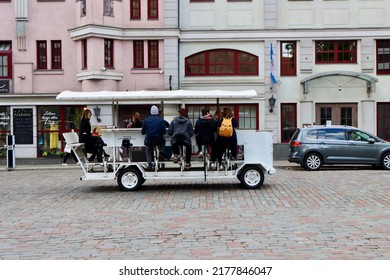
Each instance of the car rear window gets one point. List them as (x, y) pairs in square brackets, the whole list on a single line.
[(296, 133)]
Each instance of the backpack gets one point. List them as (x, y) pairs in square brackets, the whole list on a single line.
[(226, 129)]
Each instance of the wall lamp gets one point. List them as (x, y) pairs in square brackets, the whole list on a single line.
[(96, 111), (271, 101)]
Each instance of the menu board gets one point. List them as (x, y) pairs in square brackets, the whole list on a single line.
[(23, 125)]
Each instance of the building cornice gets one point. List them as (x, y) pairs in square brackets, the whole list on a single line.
[(282, 34), (110, 32)]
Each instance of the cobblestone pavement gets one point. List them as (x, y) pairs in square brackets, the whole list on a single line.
[(330, 214)]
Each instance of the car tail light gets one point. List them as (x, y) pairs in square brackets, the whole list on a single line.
[(295, 143)]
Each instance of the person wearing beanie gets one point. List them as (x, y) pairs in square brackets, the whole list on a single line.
[(154, 110), (181, 131), (154, 130)]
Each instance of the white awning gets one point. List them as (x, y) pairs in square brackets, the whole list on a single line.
[(154, 95)]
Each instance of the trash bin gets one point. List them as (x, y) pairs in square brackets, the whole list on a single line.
[(10, 152)]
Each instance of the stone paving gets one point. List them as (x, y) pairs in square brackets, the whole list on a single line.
[(336, 213)]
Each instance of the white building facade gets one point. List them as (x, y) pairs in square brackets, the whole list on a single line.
[(331, 60)]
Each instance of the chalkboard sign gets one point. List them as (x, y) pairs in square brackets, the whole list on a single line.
[(23, 126)]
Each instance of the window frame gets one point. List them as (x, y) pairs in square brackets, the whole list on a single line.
[(378, 57), (383, 120), (152, 9), (219, 65), (336, 52), (41, 55), (284, 70), (54, 54), (291, 117), (138, 54), (153, 54), (8, 55), (109, 53), (135, 13)]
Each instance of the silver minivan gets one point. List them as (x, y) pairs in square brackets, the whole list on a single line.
[(311, 147)]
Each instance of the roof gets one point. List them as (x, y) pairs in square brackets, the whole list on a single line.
[(153, 95)]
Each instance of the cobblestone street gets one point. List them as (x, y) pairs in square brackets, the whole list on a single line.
[(330, 214)]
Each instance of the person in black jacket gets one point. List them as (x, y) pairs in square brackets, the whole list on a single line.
[(205, 127), (85, 136)]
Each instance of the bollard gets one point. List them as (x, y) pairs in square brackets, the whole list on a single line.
[(10, 152)]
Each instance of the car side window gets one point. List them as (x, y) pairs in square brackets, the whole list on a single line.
[(357, 135), (335, 134), (354, 136), (315, 134)]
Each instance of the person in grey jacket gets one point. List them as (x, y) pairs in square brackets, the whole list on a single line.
[(181, 131)]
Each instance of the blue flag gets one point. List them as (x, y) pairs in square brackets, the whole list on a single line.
[(272, 68)]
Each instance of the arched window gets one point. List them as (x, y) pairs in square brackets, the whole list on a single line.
[(222, 62)]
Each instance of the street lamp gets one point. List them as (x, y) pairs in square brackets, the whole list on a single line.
[(96, 111), (271, 101)]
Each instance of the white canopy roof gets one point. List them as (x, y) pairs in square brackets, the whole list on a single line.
[(152, 95)]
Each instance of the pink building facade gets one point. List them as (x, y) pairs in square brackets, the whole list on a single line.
[(331, 60), (50, 46)]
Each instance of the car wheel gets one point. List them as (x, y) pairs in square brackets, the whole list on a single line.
[(385, 162), (251, 177), (313, 161), (130, 179)]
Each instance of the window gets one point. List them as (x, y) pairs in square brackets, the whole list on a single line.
[(56, 57), (383, 56), (108, 53), (152, 9), (153, 54), (52, 122), (84, 54), (135, 9), (41, 55), (383, 121), (325, 115), (108, 8), (346, 116), (138, 53), (288, 59), (221, 62), (245, 114), (336, 51), (288, 120), (5, 60)]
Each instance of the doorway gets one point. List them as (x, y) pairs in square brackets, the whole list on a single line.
[(337, 113)]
